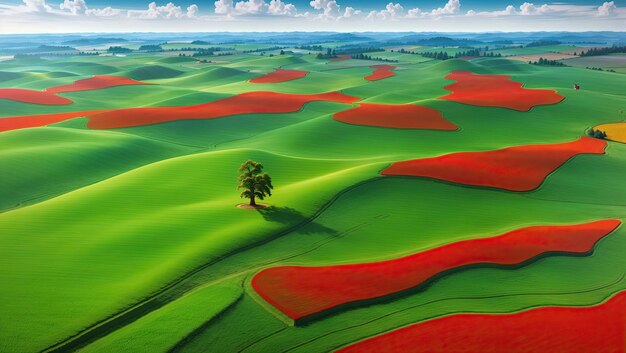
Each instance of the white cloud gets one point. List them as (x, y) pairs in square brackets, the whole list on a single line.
[(223, 6), (192, 10), (330, 8), (351, 12), (76, 7), (607, 9), (508, 11), (154, 11), (254, 7), (37, 6), (451, 8), (278, 7), (251, 7), (391, 11), (416, 12), (528, 8), (104, 12)]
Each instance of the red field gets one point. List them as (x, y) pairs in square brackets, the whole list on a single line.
[(49, 96), (520, 168), (342, 57), (245, 103), (280, 75), (380, 72), (496, 91), (299, 291), (32, 96), (23, 122), (399, 116), (96, 82), (594, 329)]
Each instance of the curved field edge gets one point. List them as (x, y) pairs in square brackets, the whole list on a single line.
[(198, 243), (517, 168), (307, 293), (165, 328), (594, 328)]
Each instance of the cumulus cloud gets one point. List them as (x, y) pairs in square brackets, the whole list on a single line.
[(528, 8), (254, 7), (76, 7), (37, 6), (416, 12), (223, 6), (391, 11), (278, 7), (452, 7), (508, 11), (351, 12), (192, 10), (251, 7), (104, 12), (154, 11), (330, 8), (607, 9)]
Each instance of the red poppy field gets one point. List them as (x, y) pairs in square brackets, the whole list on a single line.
[(599, 329), (247, 103), (280, 75), (519, 168), (381, 72), (496, 91), (32, 97), (400, 116), (299, 291), (94, 83)]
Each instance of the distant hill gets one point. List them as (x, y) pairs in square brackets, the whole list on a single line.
[(437, 41), (92, 41)]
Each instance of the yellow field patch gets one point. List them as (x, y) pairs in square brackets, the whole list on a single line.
[(614, 132)]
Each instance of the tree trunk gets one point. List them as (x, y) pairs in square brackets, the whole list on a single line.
[(252, 202)]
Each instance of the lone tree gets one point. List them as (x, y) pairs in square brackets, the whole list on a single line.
[(253, 182)]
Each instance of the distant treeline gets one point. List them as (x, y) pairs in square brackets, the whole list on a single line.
[(546, 62), (150, 47), (441, 55), (330, 54), (202, 49), (599, 69), (603, 51), (362, 56), (542, 43), (119, 50), (311, 47), (262, 49), (343, 50)]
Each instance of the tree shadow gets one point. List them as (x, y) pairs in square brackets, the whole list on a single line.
[(293, 217)]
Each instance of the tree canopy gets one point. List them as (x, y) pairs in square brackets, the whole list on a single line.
[(254, 182)]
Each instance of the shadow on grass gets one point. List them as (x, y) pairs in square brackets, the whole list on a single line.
[(288, 215)]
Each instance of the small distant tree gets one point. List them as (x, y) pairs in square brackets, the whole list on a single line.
[(599, 134), (253, 182)]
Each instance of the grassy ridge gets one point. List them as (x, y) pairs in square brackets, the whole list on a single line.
[(161, 221), (162, 329)]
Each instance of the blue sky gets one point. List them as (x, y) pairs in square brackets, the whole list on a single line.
[(46, 16)]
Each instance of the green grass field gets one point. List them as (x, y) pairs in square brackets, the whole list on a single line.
[(128, 240)]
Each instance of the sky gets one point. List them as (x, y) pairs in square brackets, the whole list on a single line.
[(74, 16)]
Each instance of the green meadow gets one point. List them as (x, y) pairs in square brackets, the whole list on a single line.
[(129, 240)]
